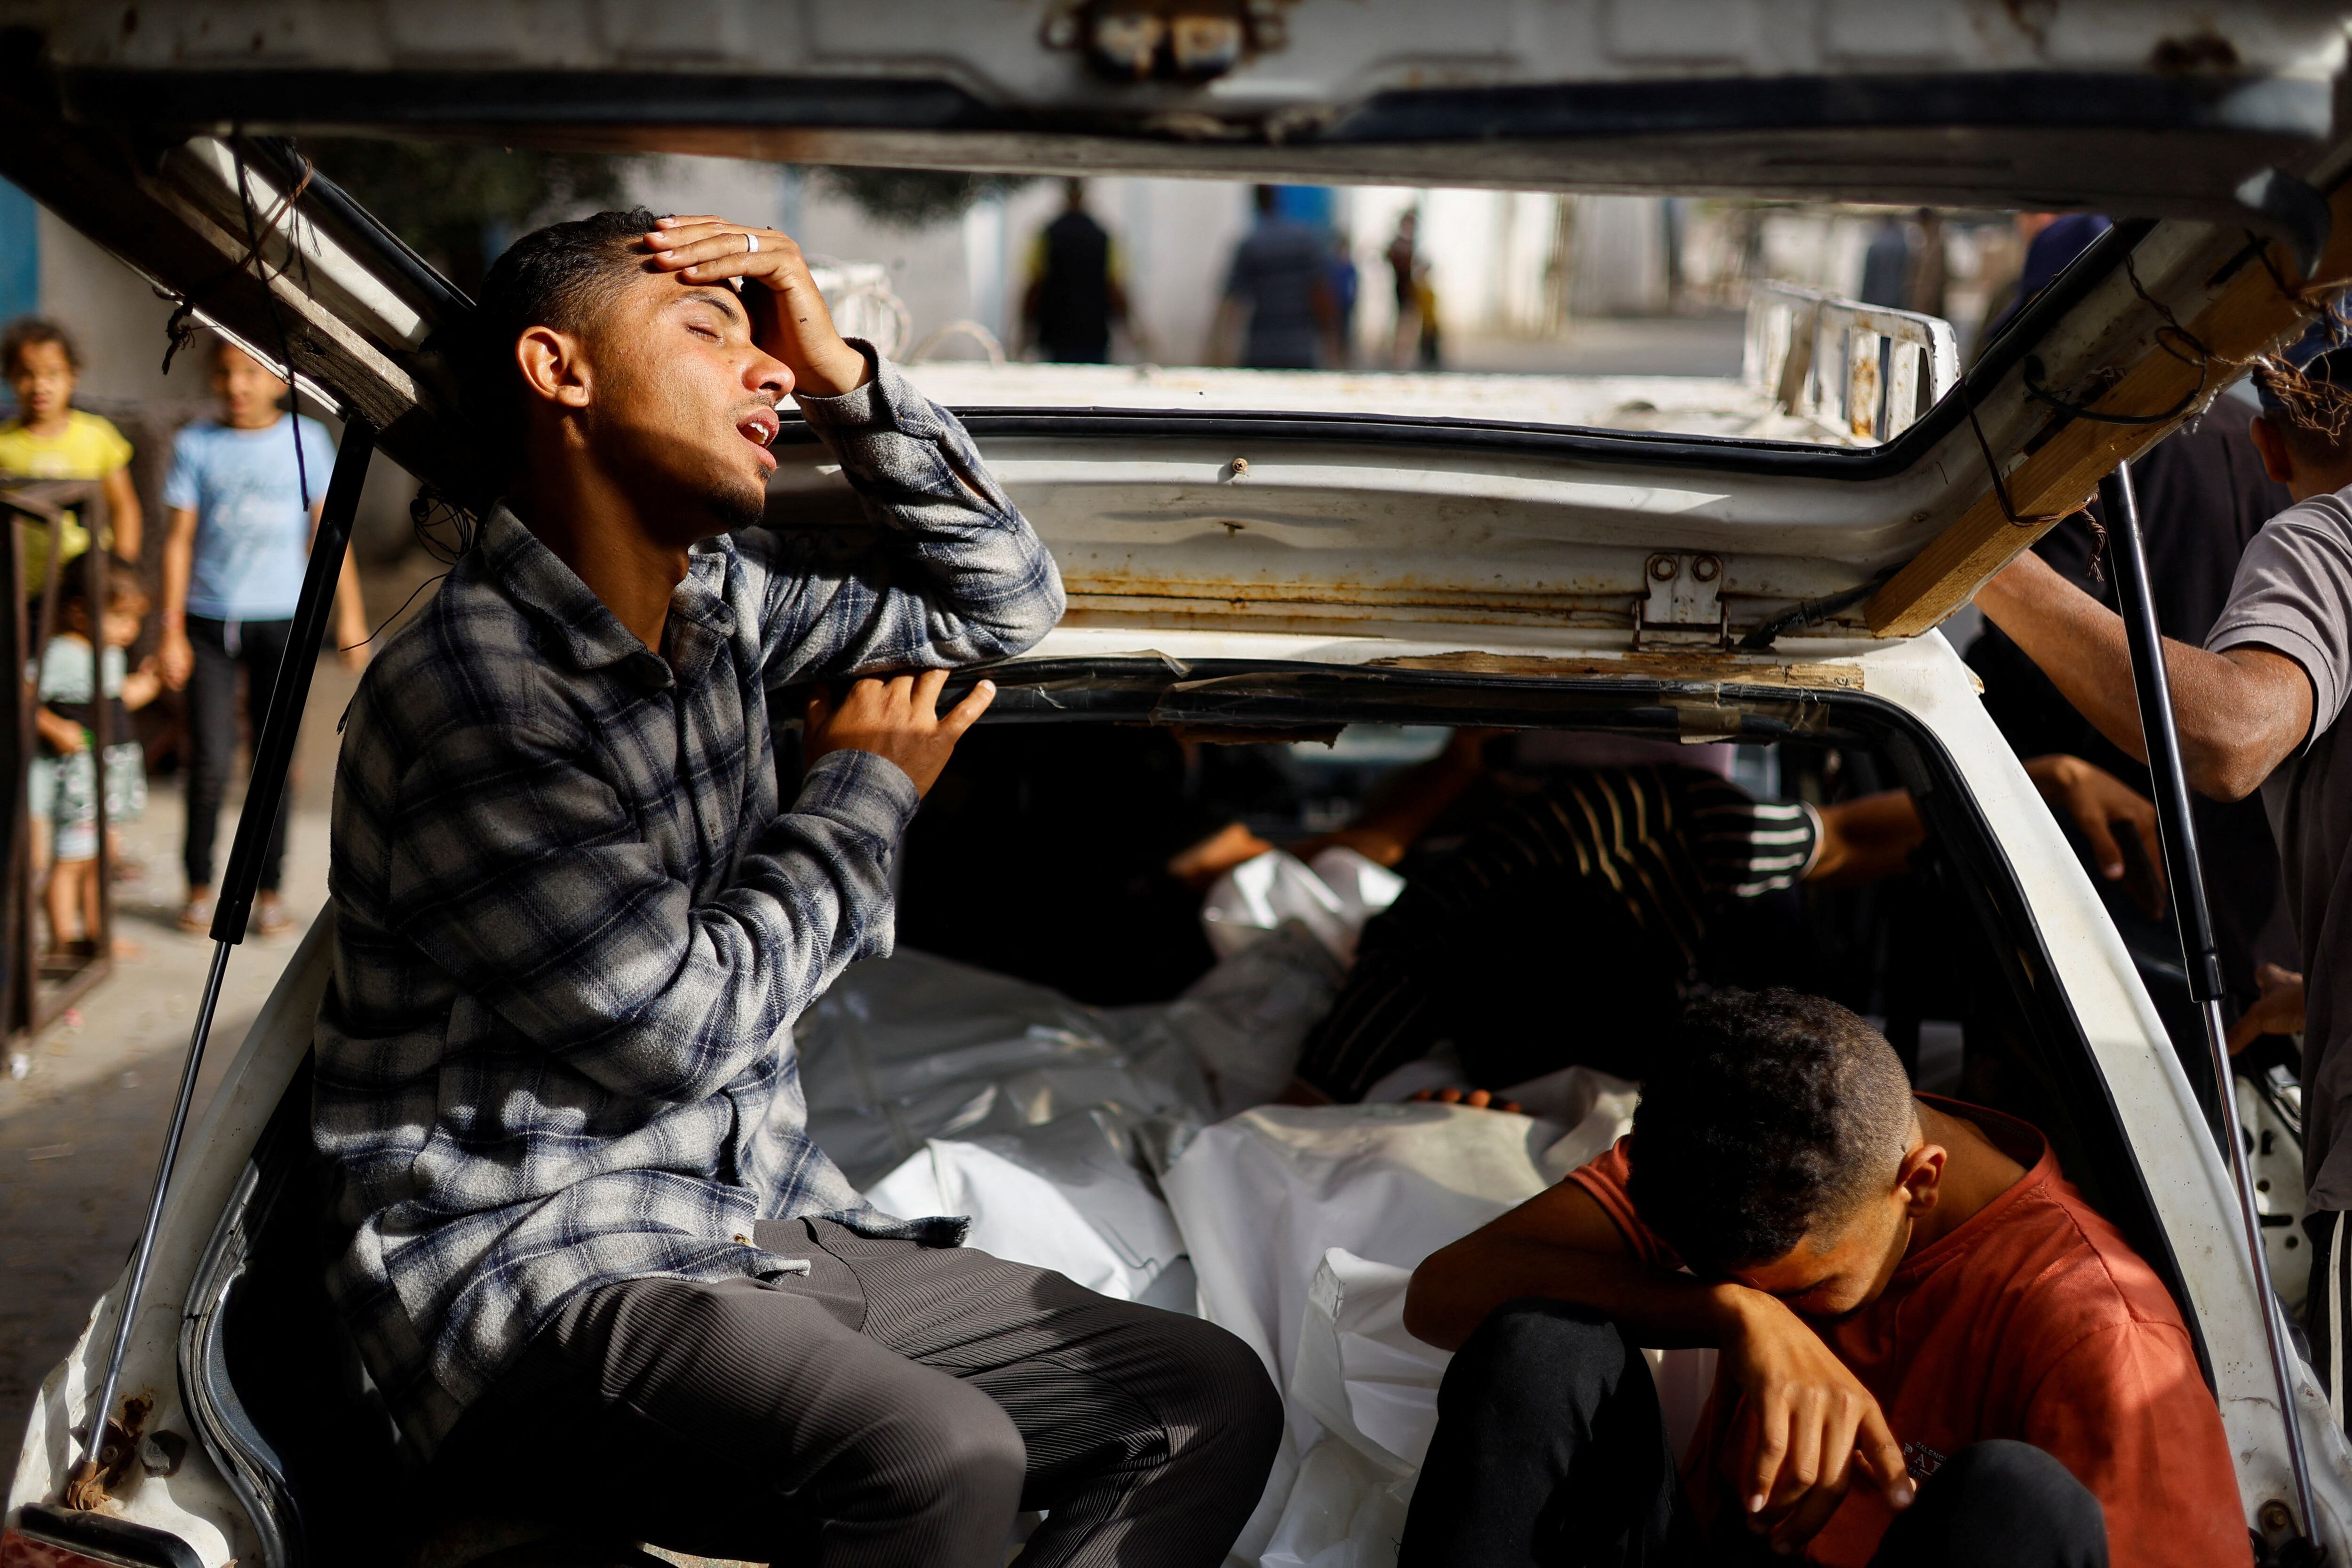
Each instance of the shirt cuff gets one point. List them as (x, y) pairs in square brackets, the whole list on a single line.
[(884, 403), (862, 790), (1821, 836)]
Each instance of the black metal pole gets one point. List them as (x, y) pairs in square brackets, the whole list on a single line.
[(273, 749), (273, 752), (2177, 829)]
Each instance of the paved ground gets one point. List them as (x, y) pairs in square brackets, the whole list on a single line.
[(81, 1130)]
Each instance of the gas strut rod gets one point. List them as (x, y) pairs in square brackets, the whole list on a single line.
[(2178, 831), (273, 752)]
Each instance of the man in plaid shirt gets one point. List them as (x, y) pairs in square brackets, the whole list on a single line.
[(574, 1192)]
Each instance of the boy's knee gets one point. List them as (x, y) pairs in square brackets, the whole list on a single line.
[(1536, 1343), (2013, 1496)]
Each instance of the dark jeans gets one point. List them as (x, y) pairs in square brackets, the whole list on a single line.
[(221, 649), (898, 1404), (1550, 1449)]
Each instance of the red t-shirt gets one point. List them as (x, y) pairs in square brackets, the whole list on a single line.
[(2035, 1320)]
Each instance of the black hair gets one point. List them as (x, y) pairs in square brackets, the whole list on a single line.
[(558, 277), (1770, 1114), (26, 330), (123, 587)]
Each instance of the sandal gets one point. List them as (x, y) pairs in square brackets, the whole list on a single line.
[(196, 915)]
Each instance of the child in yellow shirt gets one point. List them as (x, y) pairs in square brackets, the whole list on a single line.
[(51, 439)]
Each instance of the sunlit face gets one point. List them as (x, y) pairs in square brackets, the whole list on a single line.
[(122, 623), (1835, 1269), (43, 379), (681, 403), (248, 393)]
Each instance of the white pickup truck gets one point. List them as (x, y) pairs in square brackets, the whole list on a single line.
[(1291, 557)]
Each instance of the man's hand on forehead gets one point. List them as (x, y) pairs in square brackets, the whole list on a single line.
[(789, 318)]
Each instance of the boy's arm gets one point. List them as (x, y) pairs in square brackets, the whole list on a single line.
[(520, 872), (64, 736), (142, 685), (123, 515), (1805, 1424), (958, 575), (350, 609), (175, 659)]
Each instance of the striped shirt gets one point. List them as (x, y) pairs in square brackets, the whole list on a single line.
[(574, 919), (1660, 849)]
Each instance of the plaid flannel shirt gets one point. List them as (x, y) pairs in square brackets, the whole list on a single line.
[(575, 921)]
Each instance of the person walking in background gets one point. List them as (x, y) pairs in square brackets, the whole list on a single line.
[(1075, 298), (1343, 281), (1927, 279), (65, 782), (1403, 262), (1429, 352), (51, 439), (242, 509), (1886, 264), (1278, 296), (2052, 244)]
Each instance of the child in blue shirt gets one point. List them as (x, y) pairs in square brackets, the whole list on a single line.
[(241, 515)]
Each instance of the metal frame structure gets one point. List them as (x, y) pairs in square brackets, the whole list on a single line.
[(2177, 828), (35, 988)]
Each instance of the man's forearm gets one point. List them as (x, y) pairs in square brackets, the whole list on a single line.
[(1456, 1287), (2235, 722), (2076, 640)]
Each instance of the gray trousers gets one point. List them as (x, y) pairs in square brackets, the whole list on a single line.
[(898, 1404)]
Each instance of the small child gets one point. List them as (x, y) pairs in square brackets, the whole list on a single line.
[(51, 439), (63, 788)]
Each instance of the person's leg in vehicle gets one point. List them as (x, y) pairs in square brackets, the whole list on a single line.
[(1549, 1448), (212, 746), (1998, 1504), (1385, 1016), (742, 1421), (264, 650), (1149, 1434)]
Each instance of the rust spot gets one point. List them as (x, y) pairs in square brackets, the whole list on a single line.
[(2205, 51), (1638, 667), (91, 1484), (2031, 18)]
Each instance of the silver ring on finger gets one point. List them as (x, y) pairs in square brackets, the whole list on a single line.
[(751, 243)]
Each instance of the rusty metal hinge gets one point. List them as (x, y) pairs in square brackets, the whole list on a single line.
[(1684, 605)]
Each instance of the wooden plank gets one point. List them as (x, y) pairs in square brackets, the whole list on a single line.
[(2250, 314)]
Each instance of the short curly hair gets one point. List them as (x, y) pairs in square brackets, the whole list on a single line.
[(1772, 1113), (558, 277)]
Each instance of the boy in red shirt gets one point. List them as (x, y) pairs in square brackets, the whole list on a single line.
[(1934, 1351)]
